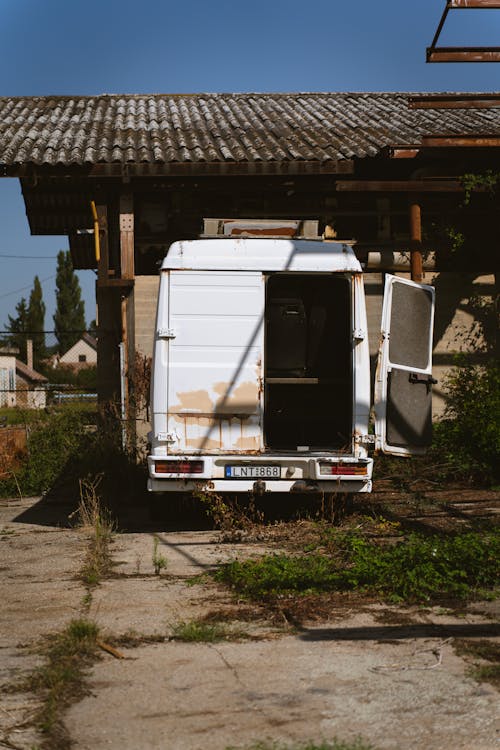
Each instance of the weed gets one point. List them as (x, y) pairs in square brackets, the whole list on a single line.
[(196, 631), (159, 561), (97, 522), (59, 681), (233, 518), (417, 568), (207, 630)]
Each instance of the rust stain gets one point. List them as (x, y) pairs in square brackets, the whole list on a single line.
[(248, 443), (243, 400), (204, 443), (198, 400)]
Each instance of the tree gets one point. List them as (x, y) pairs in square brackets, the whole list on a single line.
[(17, 328), (36, 320), (69, 317)]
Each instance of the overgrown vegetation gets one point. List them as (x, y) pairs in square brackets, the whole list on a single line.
[(414, 568), (54, 439), (97, 522), (71, 442), (60, 680), (468, 438)]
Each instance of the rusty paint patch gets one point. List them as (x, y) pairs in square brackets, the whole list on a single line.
[(248, 443), (193, 400), (243, 400)]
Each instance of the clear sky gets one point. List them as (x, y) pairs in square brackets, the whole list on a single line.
[(158, 46)]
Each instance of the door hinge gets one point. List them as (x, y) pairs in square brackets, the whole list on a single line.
[(359, 334), (167, 437), (166, 333)]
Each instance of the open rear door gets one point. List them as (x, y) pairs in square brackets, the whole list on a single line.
[(403, 383)]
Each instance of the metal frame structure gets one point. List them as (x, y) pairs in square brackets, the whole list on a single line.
[(463, 54)]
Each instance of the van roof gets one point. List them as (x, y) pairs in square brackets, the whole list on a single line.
[(243, 254)]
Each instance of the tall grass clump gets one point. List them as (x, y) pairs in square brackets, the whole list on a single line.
[(96, 521)]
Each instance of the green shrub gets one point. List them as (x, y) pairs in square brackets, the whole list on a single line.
[(469, 435), (65, 445), (415, 569)]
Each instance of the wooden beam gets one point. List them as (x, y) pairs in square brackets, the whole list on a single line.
[(461, 141), (454, 101), (416, 242), (463, 54), (127, 267), (399, 186), (463, 4), (244, 168)]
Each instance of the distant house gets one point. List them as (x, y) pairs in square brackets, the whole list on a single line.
[(21, 385), (82, 354), (7, 380)]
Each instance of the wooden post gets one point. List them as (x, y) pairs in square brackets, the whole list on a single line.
[(103, 265), (127, 268), (416, 242), (127, 312), (108, 326)]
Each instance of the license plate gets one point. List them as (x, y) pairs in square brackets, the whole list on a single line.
[(252, 472)]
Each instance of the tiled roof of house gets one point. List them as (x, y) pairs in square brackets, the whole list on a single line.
[(201, 128), (28, 373)]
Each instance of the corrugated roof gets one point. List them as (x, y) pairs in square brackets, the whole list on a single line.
[(208, 128)]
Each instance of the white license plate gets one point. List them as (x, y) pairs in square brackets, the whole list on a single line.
[(252, 472)]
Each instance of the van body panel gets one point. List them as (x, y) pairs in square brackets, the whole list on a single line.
[(214, 378)]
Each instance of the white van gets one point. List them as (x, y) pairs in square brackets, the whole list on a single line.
[(261, 370)]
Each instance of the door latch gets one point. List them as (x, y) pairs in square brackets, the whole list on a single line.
[(427, 380)]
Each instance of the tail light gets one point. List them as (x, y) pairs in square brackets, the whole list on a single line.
[(337, 469), (178, 467)]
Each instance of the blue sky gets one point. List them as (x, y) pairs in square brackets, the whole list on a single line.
[(157, 46)]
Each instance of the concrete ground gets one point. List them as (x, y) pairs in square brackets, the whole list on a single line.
[(397, 683)]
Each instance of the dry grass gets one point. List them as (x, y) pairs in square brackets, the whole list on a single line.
[(95, 521)]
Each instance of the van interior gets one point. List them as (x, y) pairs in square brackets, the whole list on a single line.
[(308, 362)]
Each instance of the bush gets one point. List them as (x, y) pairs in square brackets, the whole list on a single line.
[(53, 440), (65, 445), (469, 435)]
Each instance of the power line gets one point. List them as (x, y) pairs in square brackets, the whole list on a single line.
[(30, 257), (30, 286)]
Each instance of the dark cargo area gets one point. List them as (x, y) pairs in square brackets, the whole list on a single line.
[(308, 356)]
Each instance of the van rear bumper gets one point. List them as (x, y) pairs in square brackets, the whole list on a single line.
[(302, 474)]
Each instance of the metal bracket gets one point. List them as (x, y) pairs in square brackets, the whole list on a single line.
[(166, 333), (359, 334), (423, 379), (167, 437)]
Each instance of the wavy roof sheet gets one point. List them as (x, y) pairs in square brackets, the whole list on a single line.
[(208, 128)]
